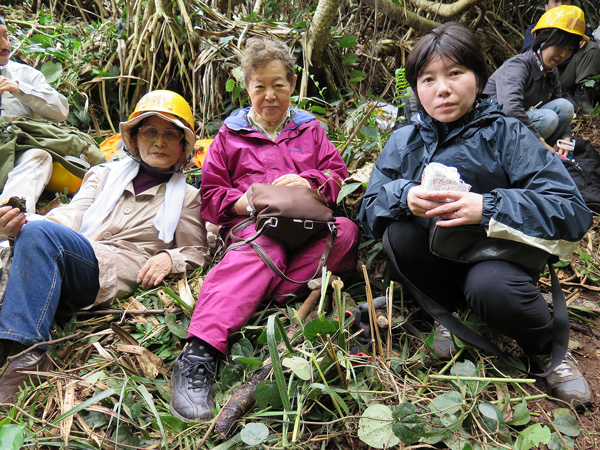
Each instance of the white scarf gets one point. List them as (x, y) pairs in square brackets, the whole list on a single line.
[(121, 174)]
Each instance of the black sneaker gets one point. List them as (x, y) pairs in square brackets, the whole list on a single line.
[(566, 382), (191, 382)]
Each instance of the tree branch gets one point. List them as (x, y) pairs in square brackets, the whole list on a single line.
[(321, 27), (445, 9), (400, 14)]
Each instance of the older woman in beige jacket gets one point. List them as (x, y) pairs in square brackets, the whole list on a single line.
[(133, 221)]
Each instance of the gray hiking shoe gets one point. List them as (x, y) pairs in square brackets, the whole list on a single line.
[(191, 383), (443, 345), (566, 382)]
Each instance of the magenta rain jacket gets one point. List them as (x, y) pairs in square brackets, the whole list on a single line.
[(240, 156)]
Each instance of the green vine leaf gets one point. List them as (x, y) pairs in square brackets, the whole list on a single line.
[(254, 433), (375, 427), (556, 442), (230, 85), (567, 424), (533, 436), (301, 367), (521, 415), (346, 190), (52, 71), (12, 436), (410, 427)]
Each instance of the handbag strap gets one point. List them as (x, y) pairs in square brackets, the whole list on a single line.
[(236, 241), (260, 251), (560, 335)]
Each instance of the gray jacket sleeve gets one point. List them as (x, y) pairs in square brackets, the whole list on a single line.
[(511, 90)]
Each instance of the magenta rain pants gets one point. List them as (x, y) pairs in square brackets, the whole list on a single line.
[(235, 287)]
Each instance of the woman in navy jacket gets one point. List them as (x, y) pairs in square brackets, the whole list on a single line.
[(520, 192)]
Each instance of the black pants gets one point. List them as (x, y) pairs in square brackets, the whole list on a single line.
[(502, 294)]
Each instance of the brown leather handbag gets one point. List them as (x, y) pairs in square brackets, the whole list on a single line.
[(291, 214)]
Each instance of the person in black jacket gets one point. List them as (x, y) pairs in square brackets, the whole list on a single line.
[(519, 192)]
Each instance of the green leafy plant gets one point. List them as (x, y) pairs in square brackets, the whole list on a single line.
[(401, 83), (236, 86)]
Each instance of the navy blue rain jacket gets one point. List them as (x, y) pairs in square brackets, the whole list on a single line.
[(528, 196)]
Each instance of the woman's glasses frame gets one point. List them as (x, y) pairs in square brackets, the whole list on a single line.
[(170, 135)]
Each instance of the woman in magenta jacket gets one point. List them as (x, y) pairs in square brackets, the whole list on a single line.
[(266, 143)]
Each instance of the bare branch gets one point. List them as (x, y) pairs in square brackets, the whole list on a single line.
[(445, 9), (400, 14)]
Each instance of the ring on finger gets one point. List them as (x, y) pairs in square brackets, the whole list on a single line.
[(456, 215)]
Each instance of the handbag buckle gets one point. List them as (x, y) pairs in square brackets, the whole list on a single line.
[(309, 224), (273, 221)]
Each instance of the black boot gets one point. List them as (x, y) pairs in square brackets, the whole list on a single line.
[(192, 379)]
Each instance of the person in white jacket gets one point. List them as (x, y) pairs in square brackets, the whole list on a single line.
[(24, 91)]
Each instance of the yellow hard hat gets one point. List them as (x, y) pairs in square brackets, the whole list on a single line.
[(568, 18), (167, 105), (62, 179)]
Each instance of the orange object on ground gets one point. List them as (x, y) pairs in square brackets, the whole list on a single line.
[(109, 146), (201, 149)]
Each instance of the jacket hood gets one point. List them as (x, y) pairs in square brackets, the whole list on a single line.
[(238, 121), (485, 108), (486, 111)]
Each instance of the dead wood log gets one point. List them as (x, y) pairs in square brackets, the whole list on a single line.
[(320, 30), (240, 402)]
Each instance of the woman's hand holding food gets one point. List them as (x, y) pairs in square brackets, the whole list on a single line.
[(455, 207)]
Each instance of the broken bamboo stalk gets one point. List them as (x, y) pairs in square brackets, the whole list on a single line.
[(143, 312)]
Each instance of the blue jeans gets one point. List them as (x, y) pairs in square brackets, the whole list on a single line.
[(50, 263), (552, 119)]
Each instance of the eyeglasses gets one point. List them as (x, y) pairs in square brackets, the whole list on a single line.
[(170, 135)]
